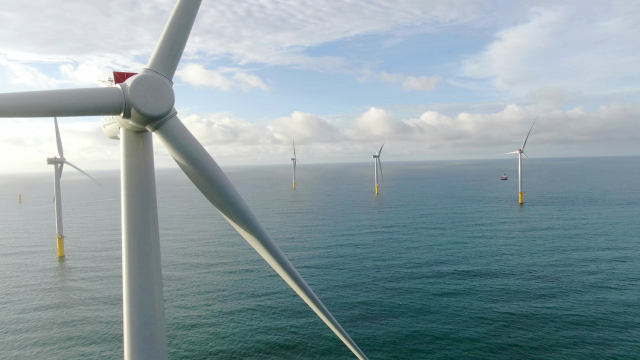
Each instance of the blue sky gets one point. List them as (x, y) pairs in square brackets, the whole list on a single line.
[(436, 80)]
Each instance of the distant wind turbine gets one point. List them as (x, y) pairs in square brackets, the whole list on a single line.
[(377, 164), (58, 163), (294, 160), (520, 152)]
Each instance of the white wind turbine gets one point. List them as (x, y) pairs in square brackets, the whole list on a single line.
[(144, 105), (377, 164), (520, 152), (294, 160), (58, 164)]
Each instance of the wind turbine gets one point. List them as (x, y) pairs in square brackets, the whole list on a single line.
[(520, 152), (294, 160), (377, 163), (143, 105), (58, 164)]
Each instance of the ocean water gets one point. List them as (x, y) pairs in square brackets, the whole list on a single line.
[(443, 264)]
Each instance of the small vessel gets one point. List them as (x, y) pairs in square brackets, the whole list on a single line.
[(504, 177)]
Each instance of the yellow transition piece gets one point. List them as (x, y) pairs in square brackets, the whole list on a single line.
[(60, 246)]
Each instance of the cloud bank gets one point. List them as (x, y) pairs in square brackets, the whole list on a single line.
[(608, 130)]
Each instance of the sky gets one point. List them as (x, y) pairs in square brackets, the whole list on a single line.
[(433, 80)]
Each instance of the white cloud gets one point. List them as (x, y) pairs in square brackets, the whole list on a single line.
[(608, 130), (376, 124), (410, 83), (197, 75), (27, 143), (248, 81), (28, 75), (304, 128), (390, 78), (422, 83), (270, 32), (84, 74), (588, 48), (223, 129)]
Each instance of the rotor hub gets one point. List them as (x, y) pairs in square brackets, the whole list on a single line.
[(148, 97)]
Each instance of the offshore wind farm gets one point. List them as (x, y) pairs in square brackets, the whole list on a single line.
[(186, 111), (416, 272)]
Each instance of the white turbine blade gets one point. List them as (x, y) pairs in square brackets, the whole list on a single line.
[(176, 32), (525, 155), (67, 102), (294, 149), (207, 176), (58, 141), (525, 139), (77, 168), (380, 151), (380, 167), (513, 152)]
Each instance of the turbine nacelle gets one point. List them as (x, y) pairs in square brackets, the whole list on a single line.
[(55, 160), (111, 126)]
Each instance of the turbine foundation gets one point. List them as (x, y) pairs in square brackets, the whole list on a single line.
[(20, 199), (294, 184), (376, 189), (521, 197), (60, 246)]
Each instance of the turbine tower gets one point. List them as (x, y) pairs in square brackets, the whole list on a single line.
[(520, 152), (294, 160), (58, 164), (142, 105), (377, 163)]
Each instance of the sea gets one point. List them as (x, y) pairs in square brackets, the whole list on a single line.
[(442, 264)]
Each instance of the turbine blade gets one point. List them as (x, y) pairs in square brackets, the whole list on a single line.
[(168, 51), (525, 139), (67, 102), (207, 176), (525, 155), (374, 149), (58, 141), (294, 149), (77, 168), (380, 152), (61, 167), (380, 167), (513, 152)]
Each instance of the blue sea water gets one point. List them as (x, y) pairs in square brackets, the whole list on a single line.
[(443, 264)]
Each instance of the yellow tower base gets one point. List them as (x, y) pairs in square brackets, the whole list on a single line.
[(376, 189), (521, 197), (20, 199), (60, 246), (294, 184)]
